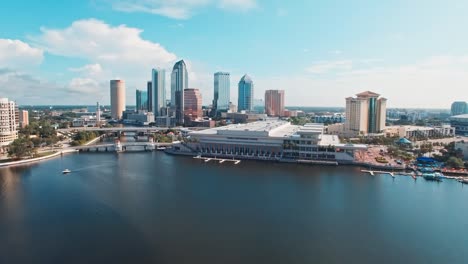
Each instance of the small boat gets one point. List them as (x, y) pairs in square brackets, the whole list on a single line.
[(436, 176), (161, 148), (66, 171), (464, 180)]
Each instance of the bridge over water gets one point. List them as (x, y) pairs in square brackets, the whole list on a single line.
[(123, 146)]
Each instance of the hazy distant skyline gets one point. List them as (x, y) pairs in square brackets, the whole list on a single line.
[(412, 52)]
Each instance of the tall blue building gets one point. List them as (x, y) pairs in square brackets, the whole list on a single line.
[(459, 108), (222, 91), (179, 82), (141, 100), (158, 91), (246, 93)]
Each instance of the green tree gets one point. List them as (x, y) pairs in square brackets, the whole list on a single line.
[(454, 162), (20, 148)]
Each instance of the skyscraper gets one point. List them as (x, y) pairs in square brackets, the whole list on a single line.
[(222, 91), (192, 104), (149, 93), (8, 123), (179, 82), (246, 92), (117, 92), (141, 100), (274, 102), (459, 108), (158, 90), (365, 114)]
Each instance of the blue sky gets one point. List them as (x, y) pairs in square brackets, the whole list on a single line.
[(415, 53)]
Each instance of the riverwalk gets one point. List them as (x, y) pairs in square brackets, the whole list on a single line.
[(34, 160)]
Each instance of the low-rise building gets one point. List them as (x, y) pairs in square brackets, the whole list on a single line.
[(460, 123), (165, 121), (84, 121), (419, 131), (140, 118), (274, 140), (244, 117)]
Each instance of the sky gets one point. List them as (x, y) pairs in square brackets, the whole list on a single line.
[(414, 53)]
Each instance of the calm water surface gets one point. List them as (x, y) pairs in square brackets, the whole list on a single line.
[(156, 208)]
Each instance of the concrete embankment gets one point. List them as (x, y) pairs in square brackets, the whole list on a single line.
[(26, 161)]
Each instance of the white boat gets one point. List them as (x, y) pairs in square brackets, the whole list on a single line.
[(66, 171), (161, 148)]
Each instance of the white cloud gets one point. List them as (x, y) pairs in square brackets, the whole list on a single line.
[(95, 40), (89, 69), (178, 9), (329, 66), (17, 54), (433, 82)]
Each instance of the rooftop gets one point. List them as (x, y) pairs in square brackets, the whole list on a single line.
[(367, 94), (464, 116)]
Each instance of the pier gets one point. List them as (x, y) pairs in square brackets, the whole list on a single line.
[(371, 172), (220, 161)]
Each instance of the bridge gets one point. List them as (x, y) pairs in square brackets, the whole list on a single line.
[(123, 146), (115, 129)]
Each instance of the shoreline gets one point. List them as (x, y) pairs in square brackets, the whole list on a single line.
[(34, 160)]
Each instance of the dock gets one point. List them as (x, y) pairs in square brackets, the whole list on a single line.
[(371, 172), (220, 161)]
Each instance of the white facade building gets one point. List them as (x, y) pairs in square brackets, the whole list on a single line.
[(8, 125), (274, 140)]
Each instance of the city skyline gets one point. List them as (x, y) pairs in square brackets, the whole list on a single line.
[(73, 56)]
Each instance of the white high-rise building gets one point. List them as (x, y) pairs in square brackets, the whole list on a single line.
[(8, 125), (365, 114), (117, 92)]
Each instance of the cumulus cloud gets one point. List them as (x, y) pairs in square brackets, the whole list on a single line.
[(95, 40), (178, 9), (18, 54)]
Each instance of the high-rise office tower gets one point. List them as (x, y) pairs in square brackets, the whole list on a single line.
[(149, 93), (158, 96), (365, 114), (246, 92), (222, 91), (179, 82), (192, 103), (117, 92), (8, 123), (23, 118), (274, 102), (459, 108), (141, 100)]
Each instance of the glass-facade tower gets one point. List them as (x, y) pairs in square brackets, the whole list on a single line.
[(141, 100), (222, 91), (246, 92), (179, 82), (158, 91)]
